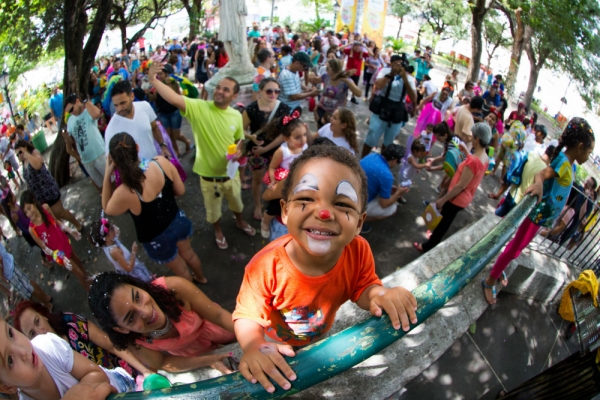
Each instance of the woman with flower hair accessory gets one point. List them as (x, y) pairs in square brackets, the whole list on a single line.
[(106, 235)]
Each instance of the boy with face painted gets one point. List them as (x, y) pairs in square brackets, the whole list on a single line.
[(293, 287)]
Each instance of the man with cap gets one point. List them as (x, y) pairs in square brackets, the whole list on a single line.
[(535, 140), (292, 92), (518, 115), (356, 53), (382, 194), (82, 127), (169, 115), (401, 84)]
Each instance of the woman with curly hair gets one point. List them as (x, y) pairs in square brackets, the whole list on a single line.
[(341, 130), (167, 323)]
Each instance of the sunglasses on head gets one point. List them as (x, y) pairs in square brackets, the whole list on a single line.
[(271, 91)]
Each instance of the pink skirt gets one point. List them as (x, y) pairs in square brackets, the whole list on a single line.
[(280, 174), (429, 115)]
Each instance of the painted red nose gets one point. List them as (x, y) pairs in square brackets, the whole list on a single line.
[(324, 214)]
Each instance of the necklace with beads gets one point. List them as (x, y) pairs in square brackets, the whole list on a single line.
[(160, 332)]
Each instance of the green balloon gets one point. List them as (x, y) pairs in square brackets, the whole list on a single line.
[(156, 381)]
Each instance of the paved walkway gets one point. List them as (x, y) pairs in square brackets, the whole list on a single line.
[(475, 365)]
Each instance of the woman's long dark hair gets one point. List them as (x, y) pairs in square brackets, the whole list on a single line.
[(101, 293), (27, 197), (55, 319), (124, 153), (443, 129)]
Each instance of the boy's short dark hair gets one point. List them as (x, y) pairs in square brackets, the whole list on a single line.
[(122, 86), (334, 153), (286, 50), (476, 103), (263, 54)]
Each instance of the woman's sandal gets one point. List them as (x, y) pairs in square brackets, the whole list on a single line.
[(222, 244), (493, 288), (418, 247), (504, 280), (493, 196)]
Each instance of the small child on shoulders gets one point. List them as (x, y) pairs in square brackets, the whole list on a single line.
[(411, 164), (106, 235), (46, 367), (294, 286)]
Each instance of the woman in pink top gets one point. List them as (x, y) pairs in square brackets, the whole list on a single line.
[(168, 323), (462, 187)]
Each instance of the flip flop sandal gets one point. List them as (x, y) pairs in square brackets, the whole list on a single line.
[(486, 286), (504, 280), (192, 147), (418, 247), (222, 244), (248, 230)]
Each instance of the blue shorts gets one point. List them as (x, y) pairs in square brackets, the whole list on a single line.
[(170, 120), (163, 248)]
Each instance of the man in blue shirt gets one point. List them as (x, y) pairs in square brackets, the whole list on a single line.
[(382, 194), (56, 104), (175, 45), (491, 97)]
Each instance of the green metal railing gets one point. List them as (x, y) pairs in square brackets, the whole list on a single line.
[(340, 352)]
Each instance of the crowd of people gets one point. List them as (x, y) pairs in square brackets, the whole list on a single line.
[(314, 194)]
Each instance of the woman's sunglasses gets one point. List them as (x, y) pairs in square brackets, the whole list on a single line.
[(271, 91)]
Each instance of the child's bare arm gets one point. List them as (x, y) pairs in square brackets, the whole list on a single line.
[(412, 161), (86, 371), (397, 302), (275, 163), (260, 356), (117, 255)]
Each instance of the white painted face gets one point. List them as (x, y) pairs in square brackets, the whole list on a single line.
[(345, 188), (307, 182)]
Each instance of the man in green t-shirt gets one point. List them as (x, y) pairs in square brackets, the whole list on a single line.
[(215, 126)]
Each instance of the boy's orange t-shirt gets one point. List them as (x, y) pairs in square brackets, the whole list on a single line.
[(295, 308)]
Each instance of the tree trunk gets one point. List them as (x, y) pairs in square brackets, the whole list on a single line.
[(317, 9), (535, 68), (515, 57), (123, 29), (194, 10), (478, 11), (534, 73), (401, 19), (78, 63)]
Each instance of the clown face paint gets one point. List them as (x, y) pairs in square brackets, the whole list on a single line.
[(318, 246), (344, 188), (307, 182)]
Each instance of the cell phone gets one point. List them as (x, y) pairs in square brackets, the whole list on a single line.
[(166, 57)]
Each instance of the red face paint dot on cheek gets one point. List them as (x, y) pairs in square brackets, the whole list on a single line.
[(324, 214)]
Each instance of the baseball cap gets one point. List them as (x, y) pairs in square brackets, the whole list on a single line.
[(393, 152), (483, 132), (302, 58), (168, 68)]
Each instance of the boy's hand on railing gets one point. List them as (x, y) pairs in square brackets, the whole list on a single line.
[(397, 302), (536, 189), (266, 358)]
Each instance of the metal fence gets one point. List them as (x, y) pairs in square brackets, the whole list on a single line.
[(574, 237)]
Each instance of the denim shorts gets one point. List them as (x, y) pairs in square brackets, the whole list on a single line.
[(120, 379), (163, 248), (170, 120)]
